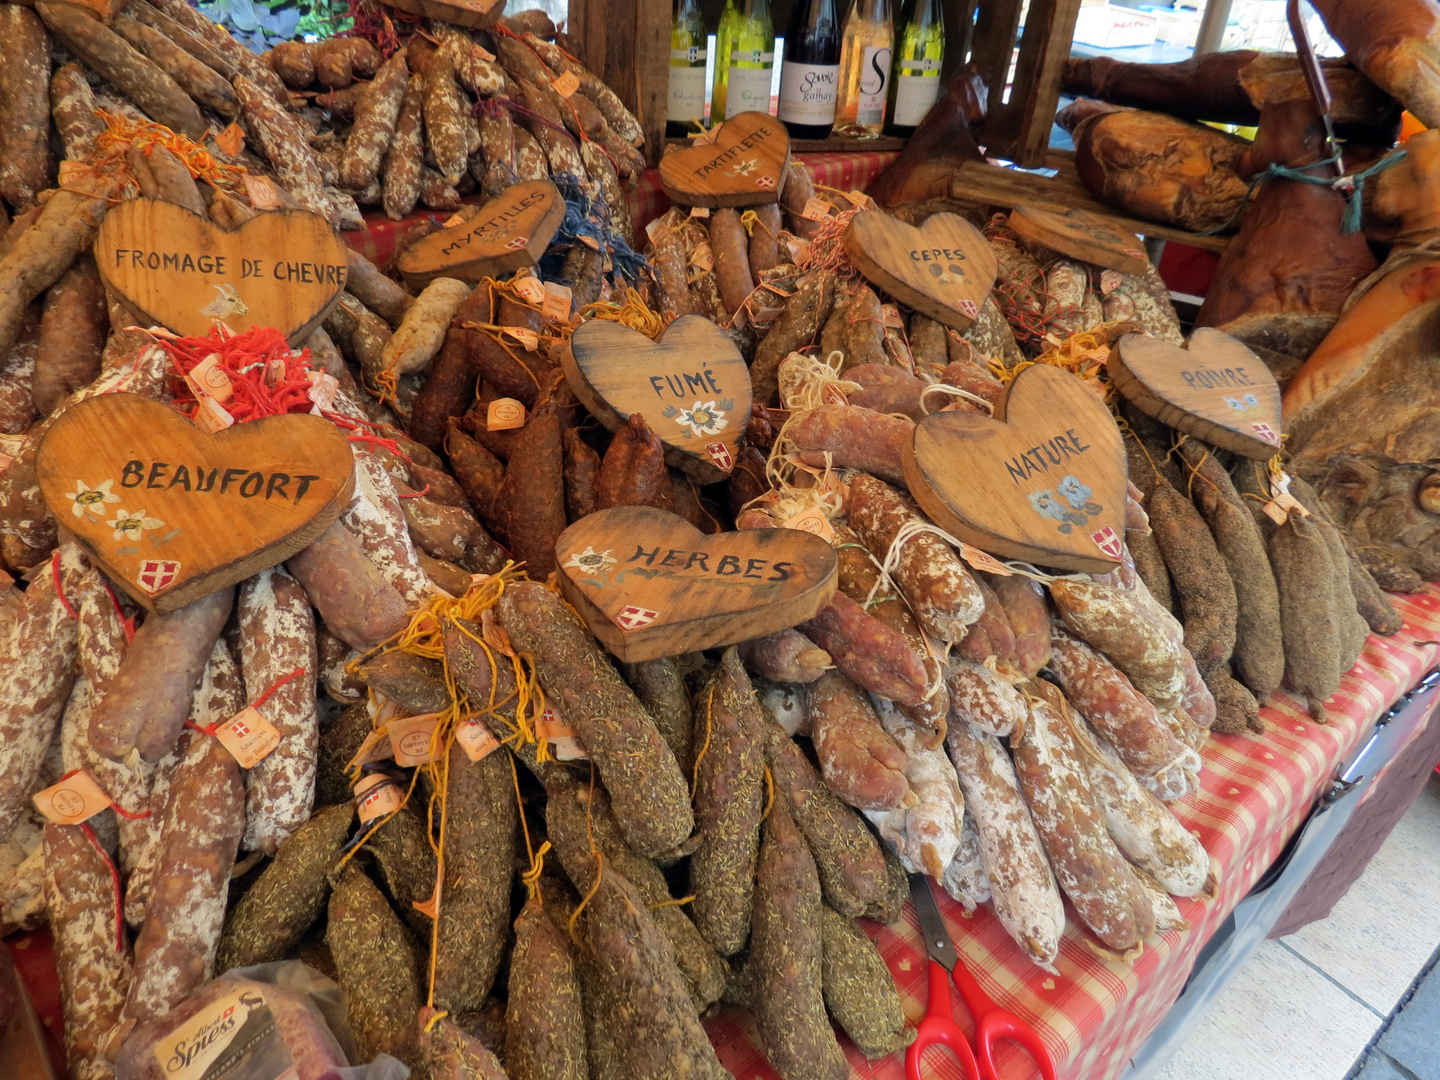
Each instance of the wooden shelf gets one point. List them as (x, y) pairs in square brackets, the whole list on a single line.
[(833, 145)]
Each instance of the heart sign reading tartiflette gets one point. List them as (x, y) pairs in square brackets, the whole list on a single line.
[(943, 269), (1043, 480), (173, 513), (650, 584), (172, 267), (511, 231), (692, 386), (1215, 389), (1087, 237), (744, 165)]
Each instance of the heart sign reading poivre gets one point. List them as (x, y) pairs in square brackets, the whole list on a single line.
[(692, 387), (1215, 389), (943, 269), (173, 513), (743, 166), (284, 269), (511, 231), (1043, 480), (650, 584)]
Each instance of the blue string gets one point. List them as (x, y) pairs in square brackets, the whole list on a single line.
[(1355, 184), (588, 217)]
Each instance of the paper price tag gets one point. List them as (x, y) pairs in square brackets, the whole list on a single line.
[(504, 413), (72, 800), (707, 138), (557, 302), (702, 258), (816, 209), (981, 561), (209, 379), (532, 289), (528, 338), (457, 218), (890, 316), (812, 521), (699, 211), (1110, 280), (492, 632), (1290, 504), (568, 750), (322, 392), (566, 84), (476, 738), (654, 229), (377, 795), (262, 192), (1275, 513), (410, 738), (248, 736), (212, 416), (833, 395), (232, 140), (71, 170)]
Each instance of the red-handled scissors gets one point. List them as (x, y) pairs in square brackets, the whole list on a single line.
[(938, 1024)]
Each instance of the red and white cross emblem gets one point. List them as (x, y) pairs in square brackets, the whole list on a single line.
[(967, 308), (156, 574), (518, 243), (240, 728), (1266, 432), (720, 455), (633, 617), (766, 181), (1108, 542)]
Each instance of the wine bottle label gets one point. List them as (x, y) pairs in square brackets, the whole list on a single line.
[(695, 54), (874, 77), (687, 92), (752, 56), (749, 89), (914, 94), (807, 92)]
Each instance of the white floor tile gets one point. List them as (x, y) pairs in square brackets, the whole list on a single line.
[(1384, 929), (1278, 1020)]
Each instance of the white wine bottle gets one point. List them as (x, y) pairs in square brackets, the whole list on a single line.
[(724, 42), (915, 76), (752, 62), (810, 76), (865, 64), (686, 110)]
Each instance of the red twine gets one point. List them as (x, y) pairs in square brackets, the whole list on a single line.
[(114, 881), (250, 360), (128, 625), (210, 729), (415, 494), (55, 577)]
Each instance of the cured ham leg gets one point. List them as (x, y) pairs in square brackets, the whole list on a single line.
[(942, 141), (1396, 43)]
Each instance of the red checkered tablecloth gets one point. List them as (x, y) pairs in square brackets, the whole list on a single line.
[(647, 201), (1093, 1014)]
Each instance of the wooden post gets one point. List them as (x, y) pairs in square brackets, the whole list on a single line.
[(1019, 129), (627, 43)]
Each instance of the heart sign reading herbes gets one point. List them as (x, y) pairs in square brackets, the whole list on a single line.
[(1215, 389), (511, 231), (943, 269), (1043, 480), (650, 584), (173, 513), (1087, 237), (743, 166), (692, 386), (284, 269)]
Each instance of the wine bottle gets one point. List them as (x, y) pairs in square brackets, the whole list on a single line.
[(724, 41), (810, 75), (686, 110), (865, 64), (752, 62), (915, 76)]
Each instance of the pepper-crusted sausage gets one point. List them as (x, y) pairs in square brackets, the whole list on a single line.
[(544, 1015)]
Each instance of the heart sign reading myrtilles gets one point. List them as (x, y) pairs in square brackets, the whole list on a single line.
[(743, 165), (172, 513), (1043, 480), (691, 385), (943, 269), (511, 231), (650, 584)]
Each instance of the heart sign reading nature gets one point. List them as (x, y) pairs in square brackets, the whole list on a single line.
[(284, 269), (1087, 237), (173, 513), (692, 387), (1043, 480), (511, 231), (744, 165), (1215, 389), (943, 269), (650, 584)]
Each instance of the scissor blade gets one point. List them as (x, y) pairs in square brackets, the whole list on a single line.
[(932, 926)]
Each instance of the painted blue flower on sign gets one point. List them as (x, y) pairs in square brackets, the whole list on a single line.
[(1076, 493), (1075, 509)]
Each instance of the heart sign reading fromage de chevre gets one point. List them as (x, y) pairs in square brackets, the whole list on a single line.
[(511, 231), (172, 267), (1043, 480), (692, 387), (743, 166), (1087, 237), (1215, 389), (173, 513), (650, 584), (943, 269)]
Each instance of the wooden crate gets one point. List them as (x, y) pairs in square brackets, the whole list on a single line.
[(627, 44)]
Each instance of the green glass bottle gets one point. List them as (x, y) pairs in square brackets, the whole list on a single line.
[(750, 59), (915, 76), (686, 110), (724, 40)]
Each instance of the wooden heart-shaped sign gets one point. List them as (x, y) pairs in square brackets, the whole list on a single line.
[(743, 166), (1215, 389), (173, 513), (172, 267), (1087, 237), (511, 231), (1043, 480), (692, 386), (650, 584), (943, 269)]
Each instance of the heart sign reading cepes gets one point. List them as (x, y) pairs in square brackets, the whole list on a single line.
[(284, 269), (173, 513), (650, 584), (744, 165), (692, 386), (1043, 480), (943, 269)]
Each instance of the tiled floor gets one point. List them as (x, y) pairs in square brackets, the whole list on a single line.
[(1307, 1007)]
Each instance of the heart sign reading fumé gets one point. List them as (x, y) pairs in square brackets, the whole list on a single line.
[(943, 269), (743, 166), (692, 386), (284, 269), (1215, 389), (1087, 237), (511, 231), (650, 584), (173, 513), (1043, 480)]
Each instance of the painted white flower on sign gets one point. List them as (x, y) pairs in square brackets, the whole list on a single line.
[(592, 561), (703, 418), (132, 526), (84, 497)]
